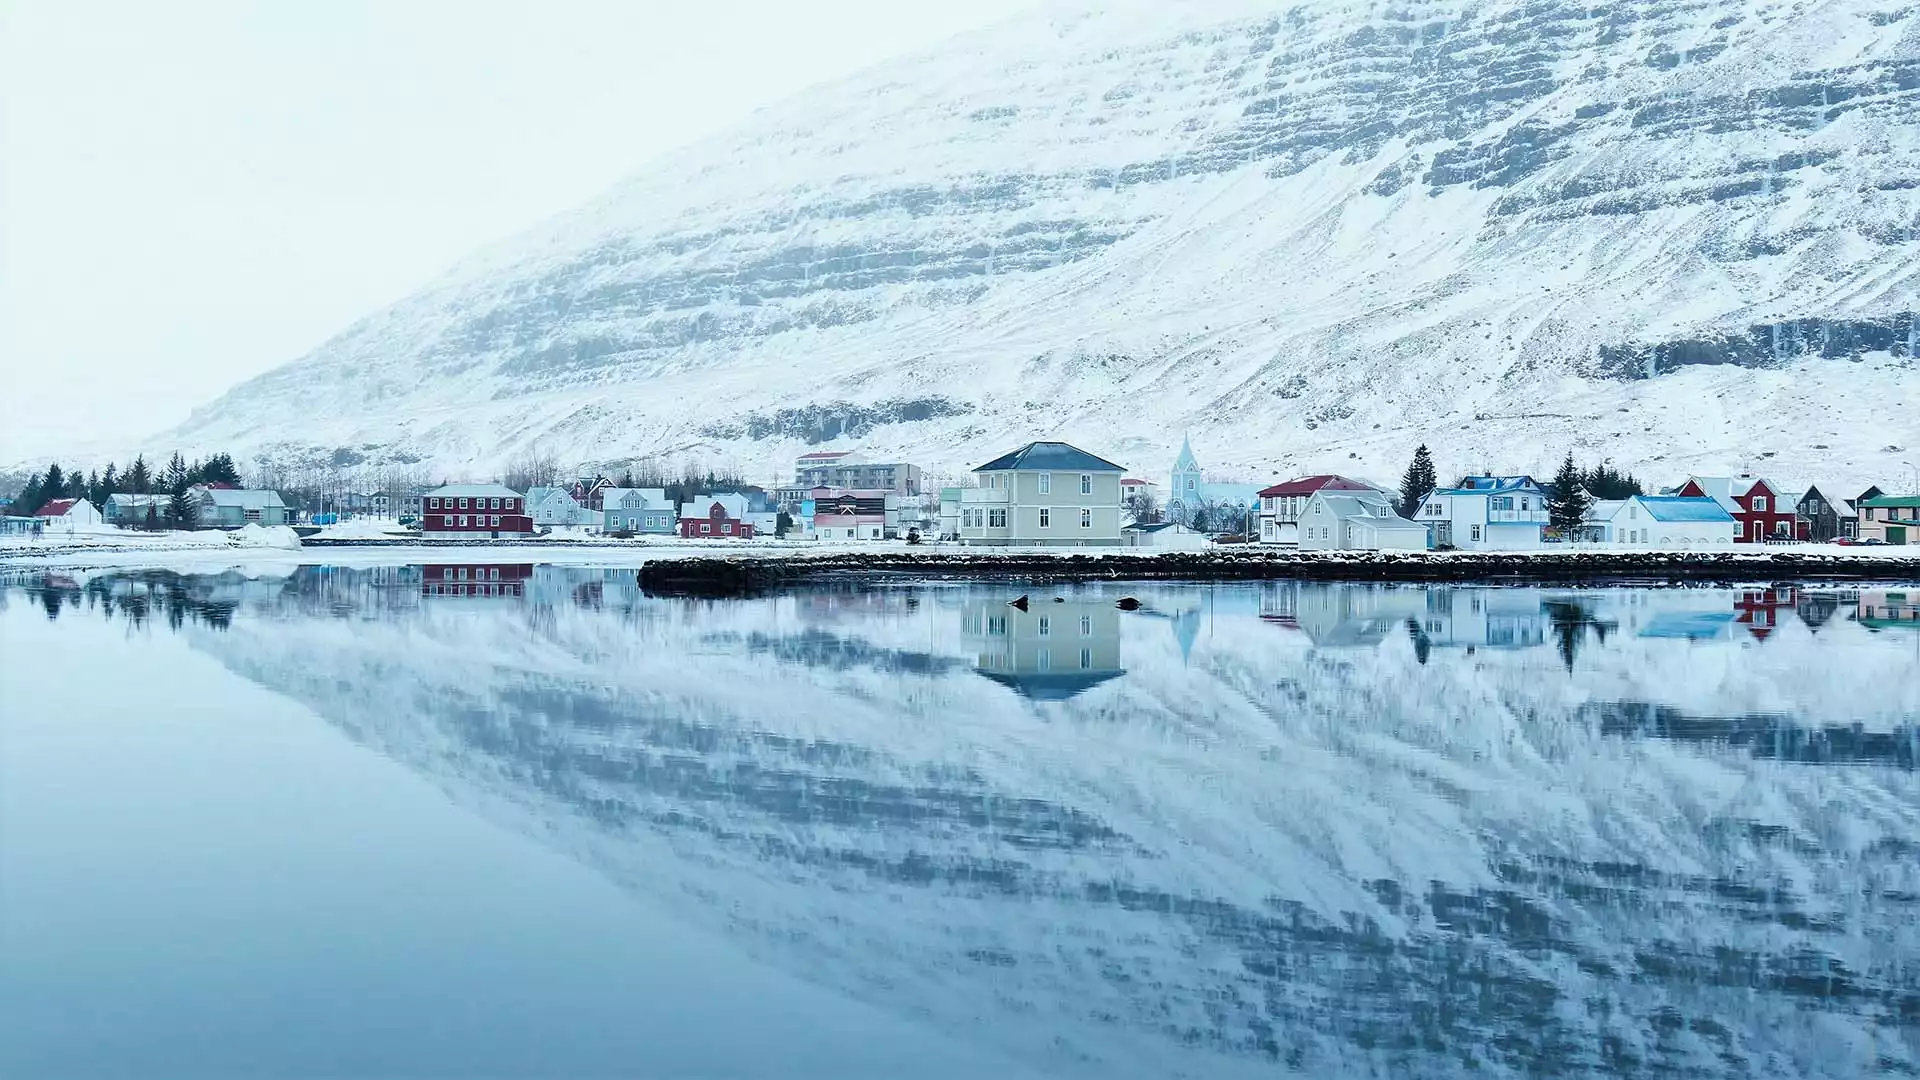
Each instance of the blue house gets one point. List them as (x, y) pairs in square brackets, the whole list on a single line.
[(1486, 513), (645, 511), (1189, 493)]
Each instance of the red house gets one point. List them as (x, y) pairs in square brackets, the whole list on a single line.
[(723, 519), (474, 510), (488, 579), (1755, 504)]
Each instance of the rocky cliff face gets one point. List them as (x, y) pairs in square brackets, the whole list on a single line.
[(1678, 233)]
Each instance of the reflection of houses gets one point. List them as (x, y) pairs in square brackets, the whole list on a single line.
[(1341, 614), (1050, 652), (1484, 618), (1889, 609), (508, 579), (1759, 610)]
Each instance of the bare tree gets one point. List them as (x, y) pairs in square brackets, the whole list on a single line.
[(1144, 507), (531, 468)]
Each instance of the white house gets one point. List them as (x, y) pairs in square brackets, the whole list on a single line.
[(557, 506), (1486, 513), (128, 509), (1045, 494), (1281, 504), (1356, 520), (1671, 521), (1163, 536), (68, 514)]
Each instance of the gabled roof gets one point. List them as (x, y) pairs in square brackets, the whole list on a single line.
[(1893, 501), (1683, 508), (1369, 506), (247, 499), (824, 457), (474, 491), (733, 504), (1603, 509), (1049, 456), (1492, 485), (1134, 481), (1147, 526), (1725, 489), (1050, 686), (1307, 485), (56, 508), (651, 498)]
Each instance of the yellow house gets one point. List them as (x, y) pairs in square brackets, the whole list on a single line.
[(1893, 518)]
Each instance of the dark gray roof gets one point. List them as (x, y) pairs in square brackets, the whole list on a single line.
[(1054, 456), (1050, 686)]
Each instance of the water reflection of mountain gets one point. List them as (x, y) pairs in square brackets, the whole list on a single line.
[(1246, 850)]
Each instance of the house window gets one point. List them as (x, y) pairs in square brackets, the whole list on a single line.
[(1474, 532), (1045, 518), (1086, 659), (446, 573), (1759, 504), (494, 573), (463, 573), (1046, 483), (1086, 519), (727, 528), (433, 504), (447, 520), (463, 504), (1044, 661), (1526, 503), (1046, 626), (1086, 626), (493, 521), (998, 518), (1086, 483), (706, 526)]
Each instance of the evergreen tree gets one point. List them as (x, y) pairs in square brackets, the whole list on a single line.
[(139, 477), (30, 497), (96, 494), (52, 486), (176, 478), (1567, 506), (180, 508), (1418, 482), (153, 518), (782, 524), (109, 481)]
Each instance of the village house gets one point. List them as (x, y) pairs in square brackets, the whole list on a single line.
[(1281, 504), (950, 513), (1045, 494), (1826, 517), (67, 514), (590, 491), (1049, 652), (847, 469), (1670, 521), (217, 506), (1341, 519), (489, 510), (716, 517), (490, 580), (127, 509), (556, 507), (1755, 504), (851, 514), (1486, 513), (641, 511), (1894, 519)]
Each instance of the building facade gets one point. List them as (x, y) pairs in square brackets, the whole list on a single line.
[(847, 469), (1893, 519), (1826, 518), (1045, 494), (1486, 513), (475, 510), (852, 514), (1281, 505), (716, 517), (641, 511), (1358, 521), (127, 509), (1670, 521), (1191, 499), (1753, 502), (230, 508), (556, 507)]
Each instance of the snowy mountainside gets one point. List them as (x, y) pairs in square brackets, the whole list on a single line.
[(1249, 849), (1678, 233)]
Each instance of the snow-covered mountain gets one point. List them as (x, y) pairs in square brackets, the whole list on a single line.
[(1682, 234), (1285, 832)]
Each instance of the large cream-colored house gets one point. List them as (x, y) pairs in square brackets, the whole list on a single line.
[(1045, 494)]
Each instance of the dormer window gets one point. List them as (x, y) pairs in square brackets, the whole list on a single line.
[(1759, 504)]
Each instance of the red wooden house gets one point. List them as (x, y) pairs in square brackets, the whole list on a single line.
[(715, 517), (475, 510), (1756, 505), (487, 579)]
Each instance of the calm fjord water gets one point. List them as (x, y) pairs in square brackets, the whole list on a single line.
[(514, 820)]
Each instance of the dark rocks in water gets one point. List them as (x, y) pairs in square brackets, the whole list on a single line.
[(1020, 603), (1127, 603), (1059, 599)]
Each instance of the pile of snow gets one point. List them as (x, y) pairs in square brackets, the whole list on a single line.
[(264, 536), (363, 529)]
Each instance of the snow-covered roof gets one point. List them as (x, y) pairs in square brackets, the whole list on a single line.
[(541, 494), (1683, 508), (130, 499), (701, 506), (58, 507), (244, 498), (1492, 485), (643, 498), (1604, 509), (1371, 506), (474, 491), (1036, 456)]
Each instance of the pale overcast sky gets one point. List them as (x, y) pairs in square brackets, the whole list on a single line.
[(192, 192)]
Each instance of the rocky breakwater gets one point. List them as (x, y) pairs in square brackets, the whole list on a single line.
[(710, 576)]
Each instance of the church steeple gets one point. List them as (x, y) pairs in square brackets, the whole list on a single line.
[(1185, 492)]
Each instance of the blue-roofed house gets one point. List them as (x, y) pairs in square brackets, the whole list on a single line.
[(1045, 494), (1671, 521), (1486, 513)]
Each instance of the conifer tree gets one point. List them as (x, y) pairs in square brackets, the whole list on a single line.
[(109, 481), (177, 477), (52, 486), (1418, 482), (139, 477), (180, 508), (1567, 506), (30, 496), (95, 493)]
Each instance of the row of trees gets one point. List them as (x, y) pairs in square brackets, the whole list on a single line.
[(138, 479), (1572, 493)]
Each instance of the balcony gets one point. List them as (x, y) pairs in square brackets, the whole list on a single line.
[(1517, 517), (985, 495)]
